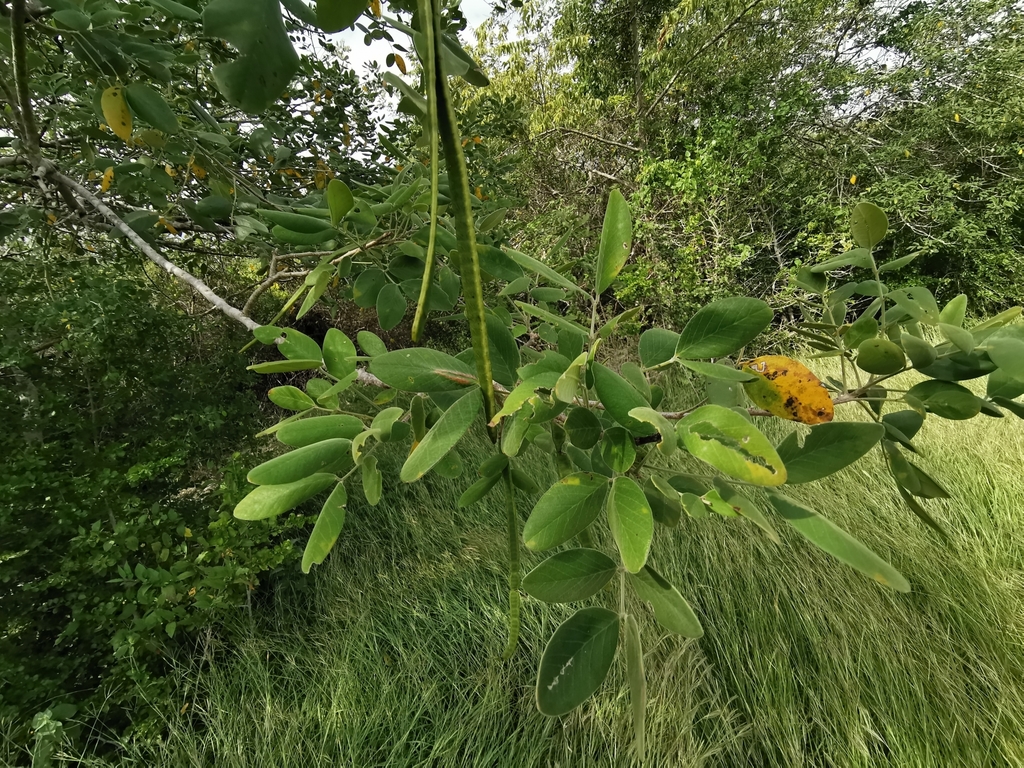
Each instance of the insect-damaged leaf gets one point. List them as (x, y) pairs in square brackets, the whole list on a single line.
[(731, 444), (576, 660), (788, 389)]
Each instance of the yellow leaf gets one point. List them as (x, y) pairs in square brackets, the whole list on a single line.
[(853, 179), (169, 170), (787, 389), (108, 177), (400, 62), (375, 7), (465, 141), (167, 225), (116, 112), (51, 218), (188, 533), (956, 117), (906, 153), (477, 140), (480, 193)]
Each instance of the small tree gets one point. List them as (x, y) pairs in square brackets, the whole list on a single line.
[(419, 238)]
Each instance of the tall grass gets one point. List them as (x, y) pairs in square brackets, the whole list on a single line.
[(390, 654)]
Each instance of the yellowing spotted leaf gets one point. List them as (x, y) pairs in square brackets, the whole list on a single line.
[(400, 62), (116, 112), (787, 389), (375, 8), (108, 177)]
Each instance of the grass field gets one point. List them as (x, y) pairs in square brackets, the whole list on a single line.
[(390, 654)]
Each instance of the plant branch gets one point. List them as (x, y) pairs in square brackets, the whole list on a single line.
[(584, 134), (19, 45), (697, 54)]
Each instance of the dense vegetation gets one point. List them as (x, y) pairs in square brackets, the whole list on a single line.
[(287, 193)]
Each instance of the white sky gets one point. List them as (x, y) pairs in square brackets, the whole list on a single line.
[(475, 11)]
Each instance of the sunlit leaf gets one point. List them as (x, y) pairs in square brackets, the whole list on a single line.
[(616, 241), (731, 444), (328, 527), (271, 500), (443, 436), (788, 389), (568, 576), (722, 327), (565, 509)]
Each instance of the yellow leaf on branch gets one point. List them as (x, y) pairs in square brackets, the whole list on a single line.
[(787, 389), (116, 112)]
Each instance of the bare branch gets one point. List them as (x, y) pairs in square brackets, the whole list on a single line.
[(18, 44)]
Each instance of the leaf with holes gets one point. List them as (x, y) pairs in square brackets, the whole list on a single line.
[(731, 444)]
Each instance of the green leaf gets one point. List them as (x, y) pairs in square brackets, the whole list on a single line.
[(880, 356), (583, 428), (921, 353), (898, 263), (961, 339), (827, 449), (717, 371), (370, 343), (619, 398), (631, 522), (339, 354), (298, 346), (731, 444), (368, 286), (810, 281), (565, 509), (271, 500), (669, 439), (391, 306), (947, 400), (291, 237), (637, 686), (1012, 406), (308, 431), (176, 10), (339, 200), (147, 103), (300, 11), (285, 366), (290, 398), (722, 327), (496, 263), (505, 358), (328, 527), (576, 660), (336, 15), (670, 608), (745, 508), (616, 241), (953, 313), (917, 302), (568, 576), (859, 332), (1002, 384), (558, 321), (419, 369), (657, 346), (478, 490), (302, 462), (1008, 354), (858, 257), (617, 450), (907, 422), (373, 480), (868, 224), (443, 436), (539, 268), (267, 61), (829, 537)]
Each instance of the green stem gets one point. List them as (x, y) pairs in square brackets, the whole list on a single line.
[(432, 127), (513, 565)]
